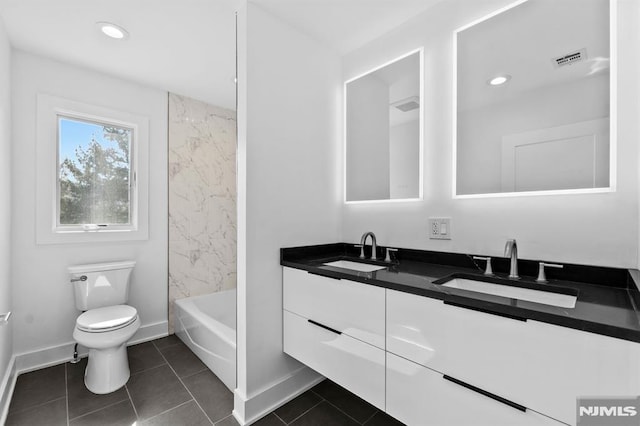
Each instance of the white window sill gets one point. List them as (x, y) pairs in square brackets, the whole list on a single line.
[(91, 236)]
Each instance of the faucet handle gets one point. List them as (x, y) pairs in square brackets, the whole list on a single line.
[(542, 278), (487, 270), (389, 251), (361, 247)]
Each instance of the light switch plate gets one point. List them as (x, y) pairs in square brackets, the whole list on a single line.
[(440, 228)]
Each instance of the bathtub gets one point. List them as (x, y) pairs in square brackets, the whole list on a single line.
[(207, 325)]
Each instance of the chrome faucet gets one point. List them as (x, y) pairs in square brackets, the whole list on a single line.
[(374, 247), (511, 249)]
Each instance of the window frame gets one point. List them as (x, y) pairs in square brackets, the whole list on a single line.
[(132, 173), (48, 227)]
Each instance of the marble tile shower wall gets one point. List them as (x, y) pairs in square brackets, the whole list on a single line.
[(202, 199)]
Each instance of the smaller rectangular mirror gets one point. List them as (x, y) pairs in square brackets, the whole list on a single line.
[(383, 132)]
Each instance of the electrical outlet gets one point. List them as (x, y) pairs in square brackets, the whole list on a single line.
[(439, 228), (434, 227)]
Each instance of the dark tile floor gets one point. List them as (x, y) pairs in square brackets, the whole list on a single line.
[(170, 386)]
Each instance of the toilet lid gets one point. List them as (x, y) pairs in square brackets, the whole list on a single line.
[(107, 318)]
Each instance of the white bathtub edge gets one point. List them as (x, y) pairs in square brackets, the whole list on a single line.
[(247, 411), (208, 337), (187, 305)]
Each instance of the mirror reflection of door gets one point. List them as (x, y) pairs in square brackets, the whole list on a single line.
[(546, 126), (383, 132), (536, 160)]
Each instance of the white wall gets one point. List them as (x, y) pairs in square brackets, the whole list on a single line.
[(368, 136), (288, 190), (43, 300), (565, 228), (5, 207), (404, 156)]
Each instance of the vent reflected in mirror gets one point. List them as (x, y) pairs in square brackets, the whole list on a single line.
[(383, 140)]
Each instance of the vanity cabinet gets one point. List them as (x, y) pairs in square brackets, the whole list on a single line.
[(351, 363), (337, 327), (429, 362), (354, 309), (417, 395), (540, 366)]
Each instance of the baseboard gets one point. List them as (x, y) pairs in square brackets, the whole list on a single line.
[(249, 410), (6, 389), (54, 355), (45, 357), (150, 332)]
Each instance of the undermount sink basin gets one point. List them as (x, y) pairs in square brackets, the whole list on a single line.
[(355, 266), (538, 296)]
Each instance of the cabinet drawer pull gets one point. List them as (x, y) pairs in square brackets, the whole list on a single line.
[(484, 310), (485, 393), (333, 330), (324, 276)]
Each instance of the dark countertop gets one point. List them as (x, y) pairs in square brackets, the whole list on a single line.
[(607, 298)]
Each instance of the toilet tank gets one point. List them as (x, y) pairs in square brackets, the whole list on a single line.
[(101, 284)]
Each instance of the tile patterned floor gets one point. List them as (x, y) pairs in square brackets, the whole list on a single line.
[(170, 386)]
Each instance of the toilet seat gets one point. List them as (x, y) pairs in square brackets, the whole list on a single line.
[(110, 318)]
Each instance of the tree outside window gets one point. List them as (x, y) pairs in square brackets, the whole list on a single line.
[(94, 173)]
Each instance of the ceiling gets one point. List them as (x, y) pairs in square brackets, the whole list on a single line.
[(345, 25), (185, 46)]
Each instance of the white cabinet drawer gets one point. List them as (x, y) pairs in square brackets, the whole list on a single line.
[(355, 309), (354, 365), (541, 366), (440, 336), (419, 396)]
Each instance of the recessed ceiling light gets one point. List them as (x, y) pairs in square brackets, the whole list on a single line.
[(113, 30), (499, 79)]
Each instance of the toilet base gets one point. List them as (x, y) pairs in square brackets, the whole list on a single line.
[(107, 369)]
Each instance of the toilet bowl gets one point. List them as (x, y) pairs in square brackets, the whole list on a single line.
[(101, 291), (105, 332)]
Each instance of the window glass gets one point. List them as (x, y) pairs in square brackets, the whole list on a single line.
[(94, 173)]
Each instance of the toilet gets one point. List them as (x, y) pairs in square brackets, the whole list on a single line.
[(101, 291)]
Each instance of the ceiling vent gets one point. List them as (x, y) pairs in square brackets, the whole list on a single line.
[(570, 58), (407, 104)]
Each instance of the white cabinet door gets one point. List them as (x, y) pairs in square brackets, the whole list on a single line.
[(355, 309), (566, 364), (419, 396), (354, 365), (541, 366)]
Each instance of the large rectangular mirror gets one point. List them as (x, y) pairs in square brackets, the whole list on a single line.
[(533, 100), (383, 132)]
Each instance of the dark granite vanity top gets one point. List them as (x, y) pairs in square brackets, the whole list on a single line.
[(607, 298)]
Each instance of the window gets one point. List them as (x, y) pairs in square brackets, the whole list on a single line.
[(95, 173), (92, 180)]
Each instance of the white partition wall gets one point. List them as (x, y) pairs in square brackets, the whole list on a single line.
[(288, 179)]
